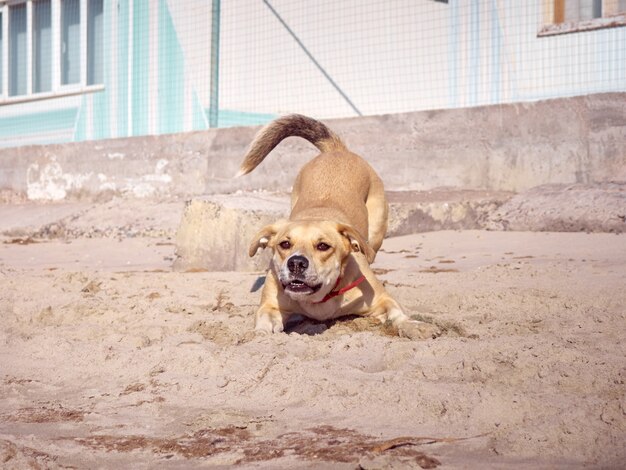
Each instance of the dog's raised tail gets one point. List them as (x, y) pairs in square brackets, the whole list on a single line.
[(287, 126)]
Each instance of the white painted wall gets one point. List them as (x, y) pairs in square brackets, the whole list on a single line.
[(403, 55)]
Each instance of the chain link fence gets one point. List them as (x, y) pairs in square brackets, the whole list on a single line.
[(74, 70)]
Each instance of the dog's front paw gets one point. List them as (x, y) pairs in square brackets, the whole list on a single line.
[(414, 329), (268, 323)]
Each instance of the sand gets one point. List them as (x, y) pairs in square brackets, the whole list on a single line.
[(109, 359)]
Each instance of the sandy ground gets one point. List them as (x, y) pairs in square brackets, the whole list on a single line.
[(109, 359)]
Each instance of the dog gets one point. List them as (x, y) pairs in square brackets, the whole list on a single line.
[(320, 266)]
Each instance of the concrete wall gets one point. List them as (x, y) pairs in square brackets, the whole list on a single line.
[(504, 147)]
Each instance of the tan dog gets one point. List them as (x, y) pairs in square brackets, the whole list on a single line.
[(322, 254)]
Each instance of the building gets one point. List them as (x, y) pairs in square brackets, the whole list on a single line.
[(73, 70)]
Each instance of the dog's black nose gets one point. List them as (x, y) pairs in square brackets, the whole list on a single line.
[(297, 264)]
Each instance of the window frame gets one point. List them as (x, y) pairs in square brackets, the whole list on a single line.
[(58, 89), (554, 19)]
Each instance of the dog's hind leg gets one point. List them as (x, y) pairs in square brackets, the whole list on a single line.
[(388, 310), (377, 212)]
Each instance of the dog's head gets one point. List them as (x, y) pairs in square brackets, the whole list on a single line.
[(309, 255)]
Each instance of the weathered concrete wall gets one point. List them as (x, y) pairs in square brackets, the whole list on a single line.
[(142, 167), (215, 231), (507, 147)]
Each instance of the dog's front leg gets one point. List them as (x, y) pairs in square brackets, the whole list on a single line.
[(388, 310), (270, 318)]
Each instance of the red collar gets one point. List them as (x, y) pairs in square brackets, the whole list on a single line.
[(343, 290)]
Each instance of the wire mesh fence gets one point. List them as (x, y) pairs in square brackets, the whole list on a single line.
[(75, 70)]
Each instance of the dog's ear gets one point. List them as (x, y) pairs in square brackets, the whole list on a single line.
[(264, 237), (357, 242)]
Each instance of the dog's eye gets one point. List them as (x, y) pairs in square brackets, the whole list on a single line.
[(285, 244), (323, 246)]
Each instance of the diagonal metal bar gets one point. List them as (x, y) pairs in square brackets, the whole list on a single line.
[(310, 56)]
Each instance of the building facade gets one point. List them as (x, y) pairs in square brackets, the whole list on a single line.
[(74, 70)]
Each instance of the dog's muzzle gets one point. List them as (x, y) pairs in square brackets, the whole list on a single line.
[(297, 264), (296, 281)]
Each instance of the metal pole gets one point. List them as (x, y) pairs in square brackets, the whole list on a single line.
[(215, 64)]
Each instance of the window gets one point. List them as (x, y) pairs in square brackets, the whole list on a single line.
[(570, 16), (17, 50), (577, 10), (70, 42), (42, 46), (95, 60), (50, 47)]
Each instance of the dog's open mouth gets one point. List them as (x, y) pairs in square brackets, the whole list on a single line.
[(300, 287)]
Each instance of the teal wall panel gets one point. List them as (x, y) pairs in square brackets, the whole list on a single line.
[(141, 67), (80, 124), (171, 75), (231, 118), (121, 81), (101, 121), (200, 121), (35, 123)]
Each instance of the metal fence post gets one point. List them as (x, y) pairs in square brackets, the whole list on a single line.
[(215, 64)]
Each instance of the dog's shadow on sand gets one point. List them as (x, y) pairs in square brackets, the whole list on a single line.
[(302, 325), (305, 326), (258, 283)]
